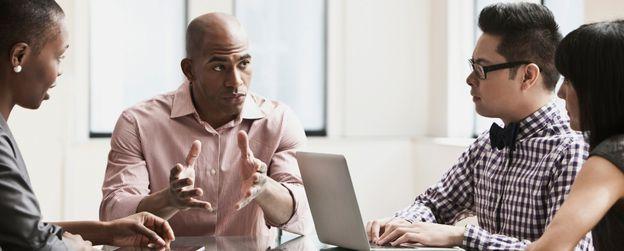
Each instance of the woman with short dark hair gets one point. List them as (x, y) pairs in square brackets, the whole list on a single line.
[(33, 39), (591, 58)]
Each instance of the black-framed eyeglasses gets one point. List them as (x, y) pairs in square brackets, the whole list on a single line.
[(481, 71)]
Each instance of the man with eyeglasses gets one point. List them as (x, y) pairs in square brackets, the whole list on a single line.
[(513, 178)]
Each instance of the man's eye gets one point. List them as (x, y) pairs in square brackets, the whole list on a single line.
[(243, 64), (218, 68)]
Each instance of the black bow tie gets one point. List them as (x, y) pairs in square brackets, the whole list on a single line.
[(503, 137)]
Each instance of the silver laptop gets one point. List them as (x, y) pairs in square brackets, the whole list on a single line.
[(333, 203)]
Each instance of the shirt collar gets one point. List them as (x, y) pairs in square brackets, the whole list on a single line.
[(537, 120), (183, 104)]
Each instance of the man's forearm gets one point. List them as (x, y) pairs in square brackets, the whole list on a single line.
[(157, 204), (94, 231), (276, 202)]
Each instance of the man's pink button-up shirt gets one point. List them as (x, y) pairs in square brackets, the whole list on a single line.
[(151, 137)]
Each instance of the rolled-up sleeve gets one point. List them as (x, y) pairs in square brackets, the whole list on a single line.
[(126, 181), (285, 170)]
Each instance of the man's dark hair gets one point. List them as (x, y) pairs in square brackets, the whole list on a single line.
[(591, 58), (528, 32), (30, 21)]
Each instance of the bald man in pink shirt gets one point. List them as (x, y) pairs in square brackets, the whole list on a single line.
[(212, 157)]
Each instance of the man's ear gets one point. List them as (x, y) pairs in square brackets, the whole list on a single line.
[(530, 75), (187, 68), (19, 52)]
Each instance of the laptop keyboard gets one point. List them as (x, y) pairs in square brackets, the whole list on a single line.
[(378, 247)]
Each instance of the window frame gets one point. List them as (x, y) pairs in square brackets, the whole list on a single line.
[(323, 131)]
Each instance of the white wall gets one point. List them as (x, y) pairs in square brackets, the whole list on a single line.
[(384, 99), (603, 10)]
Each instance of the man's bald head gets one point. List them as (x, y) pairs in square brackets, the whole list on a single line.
[(214, 31)]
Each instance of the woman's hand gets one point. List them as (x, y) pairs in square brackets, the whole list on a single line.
[(142, 229)]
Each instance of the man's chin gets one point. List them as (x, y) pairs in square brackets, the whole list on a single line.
[(234, 111), (484, 112)]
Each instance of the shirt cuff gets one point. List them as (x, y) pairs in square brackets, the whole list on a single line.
[(120, 206), (403, 217), (474, 238), (300, 220), (416, 214)]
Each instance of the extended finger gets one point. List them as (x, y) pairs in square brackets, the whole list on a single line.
[(246, 200), (243, 203), (193, 153), (176, 192), (195, 203), (174, 174), (190, 193), (243, 145), (181, 183)]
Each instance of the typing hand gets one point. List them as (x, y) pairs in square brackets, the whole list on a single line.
[(429, 234), (376, 227), (182, 191), (140, 230), (253, 172)]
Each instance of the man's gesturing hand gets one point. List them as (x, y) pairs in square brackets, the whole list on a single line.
[(253, 172), (182, 191)]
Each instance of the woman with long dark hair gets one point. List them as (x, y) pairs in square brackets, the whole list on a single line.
[(33, 39), (591, 58)]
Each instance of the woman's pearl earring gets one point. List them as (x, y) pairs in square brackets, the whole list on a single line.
[(17, 69)]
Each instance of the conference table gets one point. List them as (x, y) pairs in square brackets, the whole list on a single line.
[(242, 243), (245, 243)]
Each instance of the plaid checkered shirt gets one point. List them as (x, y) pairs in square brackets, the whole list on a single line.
[(514, 194)]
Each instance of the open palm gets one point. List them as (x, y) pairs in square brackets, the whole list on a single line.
[(253, 172)]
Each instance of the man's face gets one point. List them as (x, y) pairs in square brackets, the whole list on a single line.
[(496, 95), (222, 73)]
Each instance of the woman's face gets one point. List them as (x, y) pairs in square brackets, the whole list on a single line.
[(40, 71), (567, 93)]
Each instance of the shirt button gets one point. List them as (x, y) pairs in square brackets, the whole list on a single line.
[(213, 171)]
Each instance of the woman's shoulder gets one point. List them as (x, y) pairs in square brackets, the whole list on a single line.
[(611, 149)]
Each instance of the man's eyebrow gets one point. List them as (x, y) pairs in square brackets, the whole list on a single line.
[(246, 56), (217, 59), (481, 61)]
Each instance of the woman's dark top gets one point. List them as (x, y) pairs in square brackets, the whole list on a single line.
[(21, 227), (609, 232)]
